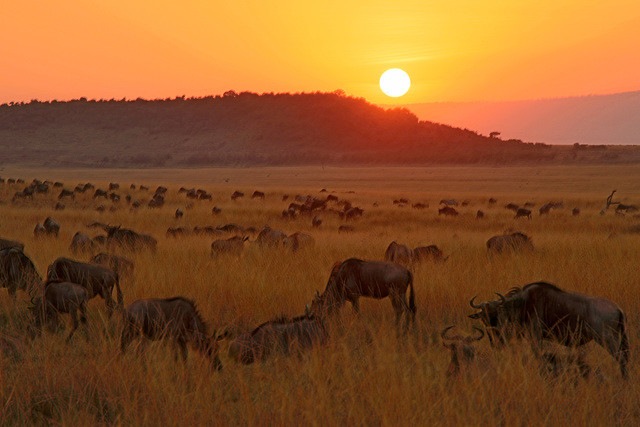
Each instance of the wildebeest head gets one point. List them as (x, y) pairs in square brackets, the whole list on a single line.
[(460, 347), (330, 301), (493, 315)]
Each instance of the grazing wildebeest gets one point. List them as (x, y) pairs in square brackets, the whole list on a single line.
[(157, 201), (67, 193), (237, 194), (522, 212), (5, 243), (461, 348), (492, 201), (298, 241), (96, 279), (509, 242), (355, 278), (100, 193), (17, 272), (426, 253), (270, 238), (129, 239), (512, 207), (231, 228), (353, 213), (479, 214), (216, 210), (113, 186), (575, 211), (420, 205), (544, 209), (60, 297), (400, 254), (52, 226), (176, 319), (39, 231), (179, 213), (59, 206), (449, 202), (231, 246), (176, 232), (540, 311), (448, 210), (143, 188), (82, 243), (257, 195), (316, 221), (346, 229), (120, 265), (286, 336)]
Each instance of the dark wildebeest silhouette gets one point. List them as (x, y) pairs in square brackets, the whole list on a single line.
[(257, 195), (316, 221), (18, 272), (231, 246), (66, 193), (512, 207), (176, 319), (96, 279), (5, 243), (270, 238), (355, 278), (60, 297), (100, 193), (479, 214), (179, 213), (284, 336), (522, 212), (52, 226), (120, 265), (129, 239), (461, 348), (426, 253), (540, 311), (448, 211), (82, 243), (509, 242), (449, 202), (400, 254), (237, 194)]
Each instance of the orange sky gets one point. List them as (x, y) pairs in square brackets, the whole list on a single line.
[(453, 50)]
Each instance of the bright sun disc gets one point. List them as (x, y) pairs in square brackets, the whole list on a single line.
[(395, 82)]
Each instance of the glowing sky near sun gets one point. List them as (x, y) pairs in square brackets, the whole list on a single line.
[(452, 50)]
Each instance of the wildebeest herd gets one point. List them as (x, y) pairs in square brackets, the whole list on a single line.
[(535, 312)]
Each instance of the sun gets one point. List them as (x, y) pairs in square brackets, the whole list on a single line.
[(395, 82)]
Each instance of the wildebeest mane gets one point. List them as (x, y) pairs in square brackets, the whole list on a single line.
[(283, 320), (195, 310), (544, 285)]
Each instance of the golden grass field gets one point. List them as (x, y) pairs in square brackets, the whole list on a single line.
[(365, 375)]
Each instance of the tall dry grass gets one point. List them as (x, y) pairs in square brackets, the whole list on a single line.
[(365, 375)]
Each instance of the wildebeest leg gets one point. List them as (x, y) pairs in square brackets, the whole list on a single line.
[(12, 292), (127, 336), (111, 304), (581, 363), (617, 344), (355, 304), (83, 313), (182, 346), (396, 302), (74, 319)]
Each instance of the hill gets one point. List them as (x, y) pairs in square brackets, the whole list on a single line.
[(242, 130), (601, 119)]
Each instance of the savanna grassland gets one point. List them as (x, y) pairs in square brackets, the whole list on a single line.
[(365, 375)]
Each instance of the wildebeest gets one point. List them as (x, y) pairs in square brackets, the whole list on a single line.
[(420, 205), (67, 193), (176, 319), (231, 246), (157, 201), (449, 202), (575, 211), (257, 195), (113, 186), (353, 213), (509, 242), (400, 254), (512, 207), (298, 241), (237, 194), (426, 253), (316, 221), (17, 272), (448, 211), (120, 265), (96, 279), (100, 193), (286, 336), (522, 212), (129, 239), (355, 278), (270, 238), (6, 243), (179, 213), (60, 297), (176, 232), (39, 231), (216, 210), (59, 206), (346, 229), (52, 226), (82, 243), (479, 214), (461, 348), (541, 311)]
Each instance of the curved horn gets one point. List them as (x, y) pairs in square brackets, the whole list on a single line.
[(317, 294), (473, 337), (32, 300), (473, 305), (444, 336), (502, 298)]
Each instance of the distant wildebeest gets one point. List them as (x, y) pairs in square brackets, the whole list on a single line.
[(540, 311), (448, 211), (5, 243), (544, 209), (270, 238), (60, 297), (626, 208), (298, 241), (82, 243), (96, 279), (346, 229), (129, 239), (400, 254), (39, 231), (462, 349), (143, 188), (428, 253), (208, 230), (509, 242), (231, 228), (355, 278), (113, 186), (205, 196), (316, 221), (157, 201), (522, 212), (353, 213), (284, 336), (52, 226), (237, 194), (231, 246), (114, 197), (492, 201), (176, 319), (449, 202), (176, 232), (120, 265), (479, 214), (161, 190), (575, 211), (512, 207), (179, 213), (17, 272), (100, 240), (216, 210), (59, 206), (66, 193), (420, 205), (257, 195), (100, 193)]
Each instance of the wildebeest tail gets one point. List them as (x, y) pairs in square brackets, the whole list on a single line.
[(623, 356), (412, 298)]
